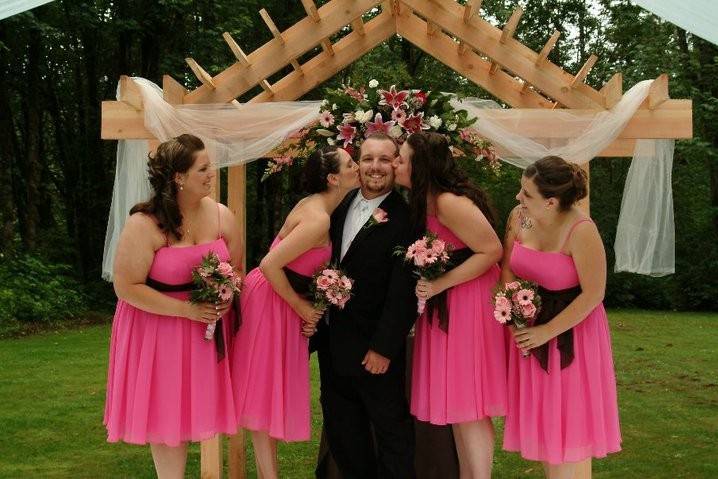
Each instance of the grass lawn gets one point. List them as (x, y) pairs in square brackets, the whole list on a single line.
[(52, 388)]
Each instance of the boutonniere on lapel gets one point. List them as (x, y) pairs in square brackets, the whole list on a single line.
[(377, 217)]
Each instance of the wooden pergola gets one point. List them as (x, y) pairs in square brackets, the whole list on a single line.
[(452, 33)]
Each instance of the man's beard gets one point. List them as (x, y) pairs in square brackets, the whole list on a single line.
[(376, 186)]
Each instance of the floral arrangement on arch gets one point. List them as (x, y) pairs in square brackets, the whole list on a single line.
[(348, 115)]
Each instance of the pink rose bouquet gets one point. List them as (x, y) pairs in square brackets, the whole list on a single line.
[(517, 304), (430, 257), (331, 286), (215, 282)]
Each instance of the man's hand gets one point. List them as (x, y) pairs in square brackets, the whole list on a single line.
[(375, 363)]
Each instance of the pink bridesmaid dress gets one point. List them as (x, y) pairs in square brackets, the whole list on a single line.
[(460, 376), (270, 357), (570, 414), (165, 383)]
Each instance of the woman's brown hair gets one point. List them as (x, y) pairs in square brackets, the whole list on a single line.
[(173, 156), (434, 170), (556, 178)]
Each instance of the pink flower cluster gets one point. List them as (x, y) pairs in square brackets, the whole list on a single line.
[(430, 257), (348, 115), (331, 286), (215, 280), (516, 303), (427, 251), (377, 217)]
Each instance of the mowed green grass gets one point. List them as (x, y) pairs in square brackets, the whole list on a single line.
[(52, 389)]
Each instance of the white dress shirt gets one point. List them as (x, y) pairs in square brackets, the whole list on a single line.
[(357, 215)]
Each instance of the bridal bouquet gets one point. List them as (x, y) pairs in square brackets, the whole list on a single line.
[(517, 304), (430, 257), (330, 286), (215, 282), (348, 115)]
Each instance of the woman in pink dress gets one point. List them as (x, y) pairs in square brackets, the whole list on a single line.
[(270, 356), (459, 362), (562, 407), (167, 385)]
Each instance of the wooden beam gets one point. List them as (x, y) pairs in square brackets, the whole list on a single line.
[(130, 92), (236, 202), (395, 7), (494, 68), (237, 458), (201, 74), (172, 91), (585, 204), (525, 87), (546, 50), (236, 50), (211, 456), (671, 119), (462, 48), (658, 92), (266, 87), (431, 28), (512, 56), (327, 46), (272, 57), (583, 72), (612, 91), (322, 67), (510, 27), (470, 65), (358, 26), (470, 8), (271, 25), (121, 121), (311, 10)]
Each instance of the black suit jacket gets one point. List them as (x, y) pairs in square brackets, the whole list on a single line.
[(382, 308)]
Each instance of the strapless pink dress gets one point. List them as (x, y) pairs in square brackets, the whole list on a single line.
[(460, 376), (164, 383), (270, 357), (570, 414)]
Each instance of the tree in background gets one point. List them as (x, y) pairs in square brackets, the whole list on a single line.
[(60, 60)]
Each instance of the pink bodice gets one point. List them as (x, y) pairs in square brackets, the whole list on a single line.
[(552, 270), (445, 234), (174, 264), (308, 262)]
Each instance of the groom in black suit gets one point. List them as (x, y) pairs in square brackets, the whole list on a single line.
[(362, 347)]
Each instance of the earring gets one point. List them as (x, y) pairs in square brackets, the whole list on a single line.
[(181, 186)]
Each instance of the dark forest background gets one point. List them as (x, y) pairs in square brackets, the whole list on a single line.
[(60, 60)]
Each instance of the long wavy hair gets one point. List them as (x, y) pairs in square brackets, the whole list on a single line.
[(434, 171), (173, 156)]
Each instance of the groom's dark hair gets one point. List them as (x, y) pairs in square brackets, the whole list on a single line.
[(434, 170)]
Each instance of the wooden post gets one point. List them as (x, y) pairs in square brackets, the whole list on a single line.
[(585, 204), (237, 458), (211, 458)]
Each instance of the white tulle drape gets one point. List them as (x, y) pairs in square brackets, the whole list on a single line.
[(236, 134), (233, 134), (645, 240)]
